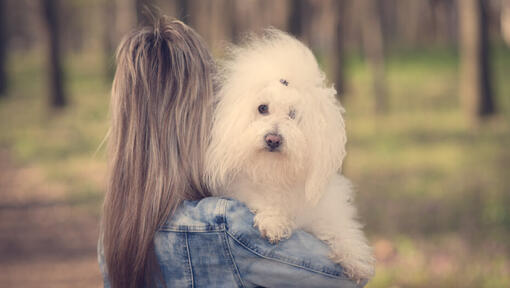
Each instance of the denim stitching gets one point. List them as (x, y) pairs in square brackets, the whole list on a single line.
[(189, 261), (191, 228), (254, 251), (220, 210), (229, 252), (225, 239)]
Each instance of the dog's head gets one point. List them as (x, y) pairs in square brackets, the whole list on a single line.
[(276, 120)]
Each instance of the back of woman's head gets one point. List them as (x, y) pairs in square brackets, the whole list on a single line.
[(160, 107)]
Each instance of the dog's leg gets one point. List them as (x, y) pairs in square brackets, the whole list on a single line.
[(333, 220), (271, 208), (350, 249), (348, 245), (273, 224)]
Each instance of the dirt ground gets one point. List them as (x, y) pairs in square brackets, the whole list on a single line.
[(44, 240)]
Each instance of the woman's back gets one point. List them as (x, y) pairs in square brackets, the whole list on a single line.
[(212, 243)]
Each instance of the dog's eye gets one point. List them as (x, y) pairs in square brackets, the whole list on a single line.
[(292, 114), (263, 109)]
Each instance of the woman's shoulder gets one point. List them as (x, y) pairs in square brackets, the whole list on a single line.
[(209, 213), (233, 217), (236, 219), (196, 215), (301, 249)]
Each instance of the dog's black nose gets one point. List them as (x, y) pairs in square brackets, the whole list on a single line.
[(273, 140)]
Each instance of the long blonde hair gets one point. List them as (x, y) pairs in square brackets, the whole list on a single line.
[(161, 107)]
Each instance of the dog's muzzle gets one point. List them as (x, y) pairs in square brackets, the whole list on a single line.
[(273, 141)]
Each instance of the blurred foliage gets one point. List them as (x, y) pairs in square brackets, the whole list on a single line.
[(63, 143), (433, 191)]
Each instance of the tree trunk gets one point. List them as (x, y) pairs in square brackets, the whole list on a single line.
[(120, 16), (183, 10), (296, 17), (475, 88), (373, 45), (505, 21), (232, 23), (338, 51), (301, 22), (125, 18), (3, 49), (109, 39), (50, 10)]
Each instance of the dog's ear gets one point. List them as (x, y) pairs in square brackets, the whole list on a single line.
[(326, 135)]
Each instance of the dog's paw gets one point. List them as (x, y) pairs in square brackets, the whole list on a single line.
[(358, 265), (273, 226)]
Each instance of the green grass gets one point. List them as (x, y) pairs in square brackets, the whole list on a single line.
[(433, 189)]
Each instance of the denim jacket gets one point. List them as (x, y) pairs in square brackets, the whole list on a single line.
[(212, 243)]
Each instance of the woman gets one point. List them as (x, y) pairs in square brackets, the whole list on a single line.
[(160, 227)]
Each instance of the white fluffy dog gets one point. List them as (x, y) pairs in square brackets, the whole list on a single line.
[(278, 142)]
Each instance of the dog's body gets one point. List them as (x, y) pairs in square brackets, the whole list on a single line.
[(278, 142)]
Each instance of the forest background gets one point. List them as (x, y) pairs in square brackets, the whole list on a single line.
[(425, 84)]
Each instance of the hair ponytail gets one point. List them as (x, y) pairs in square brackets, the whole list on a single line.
[(161, 106)]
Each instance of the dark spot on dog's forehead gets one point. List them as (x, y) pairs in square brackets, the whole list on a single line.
[(284, 82)]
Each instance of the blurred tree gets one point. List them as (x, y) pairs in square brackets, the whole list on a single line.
[(183, 11), (214, 21), (302, 20), (296, 17), (125, 17), (200, 17), (245, 17), (144, 11), (251, 16), (50, 11), (73, 35), (475, 88), (444, 26), (338, 52), (505, 21), (109, 38), (232, 20), (119, 16), (373, 46), (3, 49)]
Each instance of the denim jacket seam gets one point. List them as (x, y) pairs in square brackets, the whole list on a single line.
[(219, 211), (189, 261), (222, 210), (290, 263), (193, 228), (234, 264)]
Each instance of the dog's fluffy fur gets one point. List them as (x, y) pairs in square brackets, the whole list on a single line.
[(297, 185)]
